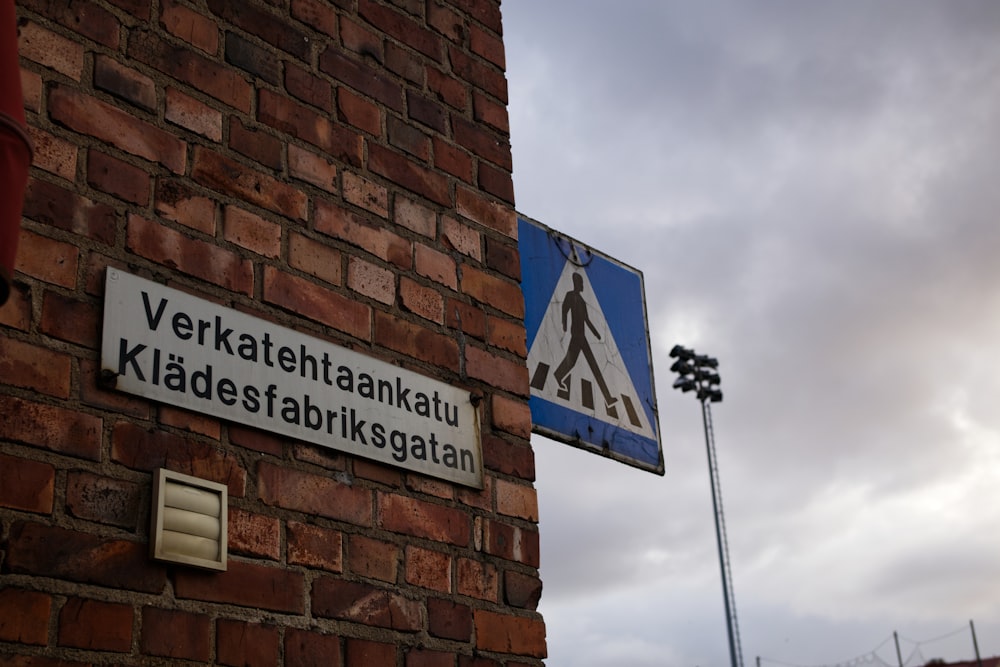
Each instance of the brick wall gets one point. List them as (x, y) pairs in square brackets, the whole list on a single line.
[(339, 167)]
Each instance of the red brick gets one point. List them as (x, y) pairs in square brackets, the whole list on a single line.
[(349, 227), (478, 498), (453, 160), (308, 87), (177, 201), (421, 300), (70, 320), (479, 73), (103, 499), (508, 458), (366, 653), (138, 8), (402, 27), (255, 143), (254, 534), (315, 258), (24, 616), (516, 500), (503, 633), (88, 19), (32, 367), (487, 44), (53, 154), (474, 206), (487, 13), (449, 620), (312, 168), (522, 590), (405, 172), (254, 59), (246, 644), (88, 115), (179, 62), (362, 77), (26, 485), (306, 299), (511, 542), (115, 177), (315, 546), (317, 14), (200, 259), (271, 27), (187, 24), (191, 114), (359, 39), (510, 416), (503, 256), (47, 259), (373, 558), (195, 422), (427, 111), (370, 280), (477, 579), (428, 569), (359, 112), (489, 111), (58, 207), (232, 178), (313, 494), (448, 89), (466, 317), (430, 487), (461, 237), (482, 143), (298, 121), (311, 649), (175, 634), (251, 232), (408, 138), (497, 182), (93, 394), (16, 313), (257, 440), (99, 626), (504, 295), (57, 429), (447, 21), (32, 88), (147, 450), (427, 658), (507, 335), (366, 604), (245, 585), (377, 472), (497, 371), (51, 50), (415, 217), (367, 194), (324, 457), (419, 518), (416, 341), (59, 553), (124, 82)]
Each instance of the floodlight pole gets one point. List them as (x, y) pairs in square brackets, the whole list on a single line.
[(697, 372)]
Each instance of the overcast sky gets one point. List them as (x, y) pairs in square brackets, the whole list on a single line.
[(812, 192)]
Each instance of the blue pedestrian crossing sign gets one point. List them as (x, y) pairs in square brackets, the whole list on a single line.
[(589, 359)]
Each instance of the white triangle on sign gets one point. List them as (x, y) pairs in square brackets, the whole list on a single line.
[(574, 341)]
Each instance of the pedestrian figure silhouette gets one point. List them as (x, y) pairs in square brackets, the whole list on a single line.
[(575, 309)]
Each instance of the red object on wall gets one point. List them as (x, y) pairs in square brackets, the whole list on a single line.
[(15, 147)]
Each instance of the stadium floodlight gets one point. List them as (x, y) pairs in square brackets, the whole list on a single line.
[(699, 373)]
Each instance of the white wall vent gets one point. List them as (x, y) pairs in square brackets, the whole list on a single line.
[(189, 520)]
